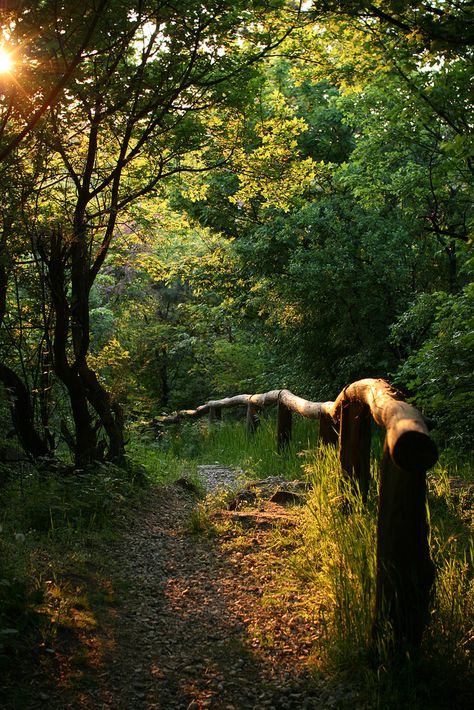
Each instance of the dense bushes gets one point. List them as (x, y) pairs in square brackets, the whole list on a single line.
[(437, 333)]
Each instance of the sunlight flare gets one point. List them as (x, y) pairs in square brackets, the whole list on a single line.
[(6, 61)]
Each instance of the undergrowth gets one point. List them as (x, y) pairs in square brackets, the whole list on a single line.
[(180, 449), (335, 554), (51, 524)]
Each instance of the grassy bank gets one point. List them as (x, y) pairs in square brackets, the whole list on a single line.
[(180, 449), (53, 529), (334, 553), (53, 526)]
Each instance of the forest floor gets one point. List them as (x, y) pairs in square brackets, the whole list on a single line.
[(167, 618)]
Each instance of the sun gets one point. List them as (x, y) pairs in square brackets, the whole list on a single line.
[(6, 61)]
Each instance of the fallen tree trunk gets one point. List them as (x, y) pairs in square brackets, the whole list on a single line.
[(310, 410)]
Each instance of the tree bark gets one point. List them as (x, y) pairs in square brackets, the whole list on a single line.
[(86, 393), (110, 415), (355, 437), (56, 255), (22, 414), (407, 436), (284, 426), (405, 571)]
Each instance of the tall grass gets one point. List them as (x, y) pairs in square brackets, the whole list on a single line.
[(339, 533), (336, 556), (181, 449), (339, 560)]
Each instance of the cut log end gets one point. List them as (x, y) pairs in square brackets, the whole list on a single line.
[(414, 451)]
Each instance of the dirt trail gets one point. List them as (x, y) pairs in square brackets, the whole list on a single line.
[(191, 630)]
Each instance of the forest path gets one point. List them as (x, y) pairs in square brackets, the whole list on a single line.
[(198, 621)]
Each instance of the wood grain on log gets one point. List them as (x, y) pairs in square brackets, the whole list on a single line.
[(405, 571), (408, 439), (355, 438)]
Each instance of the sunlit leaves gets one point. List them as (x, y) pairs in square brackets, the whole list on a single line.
[(273, 171)]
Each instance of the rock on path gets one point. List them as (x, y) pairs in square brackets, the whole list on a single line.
[(217, 478)]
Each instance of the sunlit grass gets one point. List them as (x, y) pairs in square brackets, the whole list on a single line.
[(183, 448), (335, 556)]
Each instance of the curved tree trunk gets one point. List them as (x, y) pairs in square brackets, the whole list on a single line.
[(22, 414), (17, 392), (81, 384), (109, 411)]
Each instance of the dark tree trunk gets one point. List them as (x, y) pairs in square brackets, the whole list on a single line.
[(355, 437), (405, 571), (86, 449), (284, 426), (22, 414), (328, 433), (86, 394), (110, 413)]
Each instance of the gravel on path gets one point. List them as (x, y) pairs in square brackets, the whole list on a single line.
[(192, 630)]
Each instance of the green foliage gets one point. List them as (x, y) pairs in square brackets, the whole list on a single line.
[(46, 518), (438, 333), (116, 110), (341, 194), (333, 268), (68, 503), (170, 337)]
